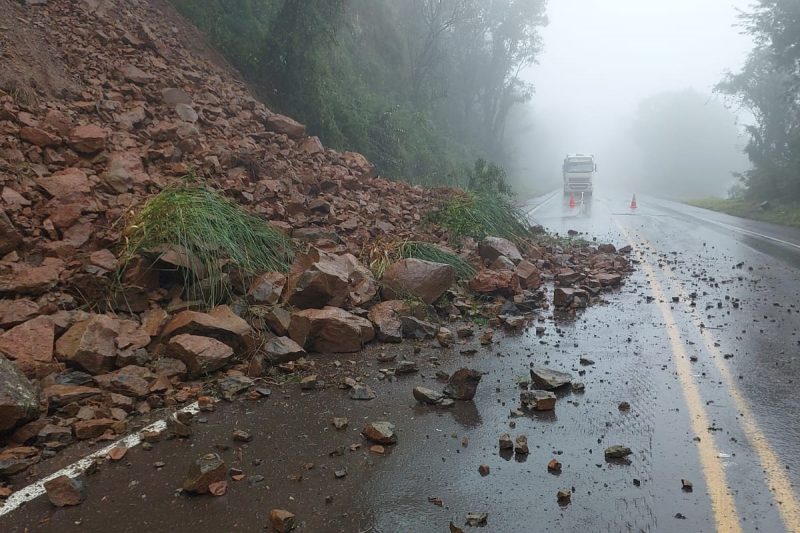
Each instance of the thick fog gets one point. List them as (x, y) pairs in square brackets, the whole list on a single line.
[(631, 81)]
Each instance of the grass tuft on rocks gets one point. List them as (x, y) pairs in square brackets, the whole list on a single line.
[(209, 234), (435, 254), (482, 214), (381, 255)]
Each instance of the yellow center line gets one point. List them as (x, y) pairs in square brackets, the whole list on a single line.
[(774, 470), (722, 503)]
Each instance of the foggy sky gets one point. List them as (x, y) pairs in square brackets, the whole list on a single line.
[(601, 59)]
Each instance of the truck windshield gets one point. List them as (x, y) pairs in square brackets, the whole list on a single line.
[(580, 166)]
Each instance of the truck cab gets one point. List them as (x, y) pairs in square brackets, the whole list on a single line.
[(579, 171)]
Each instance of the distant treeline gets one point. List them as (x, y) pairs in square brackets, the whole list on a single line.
[(421, 87), (769, 87)]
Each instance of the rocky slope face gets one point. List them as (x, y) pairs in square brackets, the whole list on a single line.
[(103, 103)]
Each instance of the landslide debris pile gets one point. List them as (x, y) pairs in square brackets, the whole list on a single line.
[(122, 287)]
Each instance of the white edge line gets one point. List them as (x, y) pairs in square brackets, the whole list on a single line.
[(34, 490), (541, 204), (749, 232)]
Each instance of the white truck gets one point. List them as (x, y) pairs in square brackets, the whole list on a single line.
[(579, 171)]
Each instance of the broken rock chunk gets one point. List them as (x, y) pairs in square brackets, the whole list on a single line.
[(330, 330), (421, 279), (380, 432), (617, 452), (362, 392), (424, 395), (66, 491), (201, 355), (463, 384), (548, 379), (281, 520), (477, 519), (538, 400), (19, 399), (491, 248), (521, 445), (386, 316), (207, 469)]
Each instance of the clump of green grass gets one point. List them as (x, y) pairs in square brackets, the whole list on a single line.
[(208, 233), (482, 214), (381, 255), (433, 253), (786, 214)]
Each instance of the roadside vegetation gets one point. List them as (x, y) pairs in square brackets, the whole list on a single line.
[(380, 255), (768, 87), (420, 88), (202, 237), (786, 215)]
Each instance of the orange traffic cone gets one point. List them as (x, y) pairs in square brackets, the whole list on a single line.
[(633, 202), (571, 201)]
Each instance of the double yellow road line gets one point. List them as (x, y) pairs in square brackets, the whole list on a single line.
[(722, 501)]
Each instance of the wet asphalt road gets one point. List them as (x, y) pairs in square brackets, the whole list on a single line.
[(742, 364)]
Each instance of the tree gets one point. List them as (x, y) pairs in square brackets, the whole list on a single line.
[(769, 88), (421, 87)]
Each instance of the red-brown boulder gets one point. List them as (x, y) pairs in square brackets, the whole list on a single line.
[(330, 330), (417, 278)]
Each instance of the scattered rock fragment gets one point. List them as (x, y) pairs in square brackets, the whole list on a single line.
[(554, 466), (477, 519), (117, 453), (521, 445), (428, 396), (380, 432), (505, 442), (687, 485), (205, 470), (444, 337), (309, 382), (14, 460), (281, 520), (484, 470), (548, 379), (617, 452), (564, 496), (65, 491), (339, 422), (406, 367), (463, 384), (538, 400), (19, 399), (241, 435), (362, 392)]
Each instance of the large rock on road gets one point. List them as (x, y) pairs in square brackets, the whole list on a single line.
[(417, 278), (330, 329)]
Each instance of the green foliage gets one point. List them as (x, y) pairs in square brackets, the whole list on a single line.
[(479, 214), (769, 87), (431, 252), (419, 87), (381, 255), (488, 178), (784, 214), (208, 234)]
